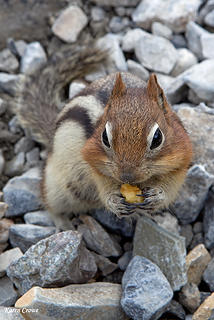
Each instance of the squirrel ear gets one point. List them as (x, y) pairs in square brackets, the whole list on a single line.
[(119, 87), (156, 93)]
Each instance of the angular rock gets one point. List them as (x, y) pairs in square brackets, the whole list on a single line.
[(75, 88), (25, 144), (117, 24), (7, 257), (206, 309), (146, 291), (97, 301), (15, 166), (209, 19), (208, 220), (207, 43), (8, 62), (206, 8), (58, 260), (186, 232), (156, 53), (131, 38), (186, 59), (197, 239), (3, 208), (193, 35), (69, 24), (8, 295), (177, 91), (33, 59), (25, 235), (22, 193), (97, 239), (104, 264), (32, 158), (17, 47), (189, 297), (208, 275), (196, 262), (116, 3), (165, 81), (41, 218), (161, 30), (175, 309), (179, 41), (124, 260), (173, 13), (8, 82), (5, 224), (168, 222), (123, 226), (165, 249), (138, 70)]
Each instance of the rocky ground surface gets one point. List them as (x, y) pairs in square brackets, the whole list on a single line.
[(106, 268)]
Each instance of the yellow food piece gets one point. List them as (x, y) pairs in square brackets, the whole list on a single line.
[(130, 193)]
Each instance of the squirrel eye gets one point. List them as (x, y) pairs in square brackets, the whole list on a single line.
[(157, 139), (105, 139)]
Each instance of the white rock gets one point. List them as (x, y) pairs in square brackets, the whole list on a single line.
[(156, 53), (33, 59), (97, 14), (185, 60), (15, 166), (131, 38), (209, 19), (205, 10), (193, 35), (8, 61), (165, 81), (161, 30), (138, 70), (207, 42), (69, 24), (173, 13), (7, 257), (75, 87)]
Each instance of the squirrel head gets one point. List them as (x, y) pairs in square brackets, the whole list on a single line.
[(138, 136)]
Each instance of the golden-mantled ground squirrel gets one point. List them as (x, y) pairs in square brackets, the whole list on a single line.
[(117, 130)]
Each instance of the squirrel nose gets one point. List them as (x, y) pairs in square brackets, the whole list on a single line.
[(127, 177)]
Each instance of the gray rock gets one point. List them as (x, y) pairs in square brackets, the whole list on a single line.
[(15, 166), (186, 59), (198, 238), (156, 53), (192, 196), (4, 229), (165, 249), (41, 218), (25, 144), (146, 291), (208, 275), (69, 24), (168, 222), (138, 70), (14, 125), (117, 24), (8, 62), (165, 81), (19, 47), (97, 14), (22, 193), (179, 41), (75, 88), (7, 257), (10, 313), (97, 301), (111, 42), (177, 90), (8, 295), (131, 38), (161, 30), (124, 260), (209, 19), (55, 261), (104, 264), (123, 226), (97, 239), (173, 13), (33, 157), (206, 8), (116, 3), (176, 309), (33, 59), (186, 232), (2, 162), (208, 220), (3, 107), (198, 227), (25, 235), (193, 35), (8, 82), (189, 297), (193, 98), (207, 43)]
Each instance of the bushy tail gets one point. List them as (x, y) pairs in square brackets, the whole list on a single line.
[(39, 96)]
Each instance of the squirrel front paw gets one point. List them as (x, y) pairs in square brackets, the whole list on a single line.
[(154, 200), (117, 204)]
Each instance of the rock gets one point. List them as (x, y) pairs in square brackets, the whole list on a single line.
[(192, 196), (111, 42), (146, 291), (25, 235), (10, 314), (207, 43), (58, 260), (104, 264), (161, 30), (138, 70), (14, 125), (117, 24), (8, 82), (22, 193), (15, 166), (3, 107), (156, 53), (175, 309), (116, 3), (206, 309), (75, 88), (189, 297), (5, 224), (124, 260), (17, 47), (185, 60), (25, 144), (197, 239), (33, 59), (165, 249), (168, 222), (8, 62), (179, 41), (2, 162), (206, 8), (8, 294), (196, 262), (41, 218), (177, 91), (172, 13), (33, 158), (3, 208), (131, 38), (193, 35), (123, 226), (69, 24), (97, 239), (97, 14), (208, 220), (208, 275), (165, 81), (97, 301), (209, 19), (7, 257), (198, 227)]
